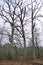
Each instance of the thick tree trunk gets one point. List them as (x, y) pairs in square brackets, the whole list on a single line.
[(24, 40), (25, 52), (33, 44), (12, 34), (37, 49)]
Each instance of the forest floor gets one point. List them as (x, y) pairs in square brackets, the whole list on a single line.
[(21, 62)]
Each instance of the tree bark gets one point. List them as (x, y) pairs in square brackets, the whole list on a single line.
[(33, 44), (24, 40)]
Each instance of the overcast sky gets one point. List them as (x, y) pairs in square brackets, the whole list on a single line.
[(38, 26)]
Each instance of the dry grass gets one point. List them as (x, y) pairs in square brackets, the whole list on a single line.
[(15, 62), (19, 62)]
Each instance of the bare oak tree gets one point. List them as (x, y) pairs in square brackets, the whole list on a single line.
[(35, 15)]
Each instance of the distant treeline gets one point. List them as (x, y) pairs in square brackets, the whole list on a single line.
[(8, 51)]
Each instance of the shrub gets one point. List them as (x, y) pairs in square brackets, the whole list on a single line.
[(9, 56)]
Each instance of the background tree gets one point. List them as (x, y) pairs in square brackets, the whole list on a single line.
[(9, 14), (35, 15)]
